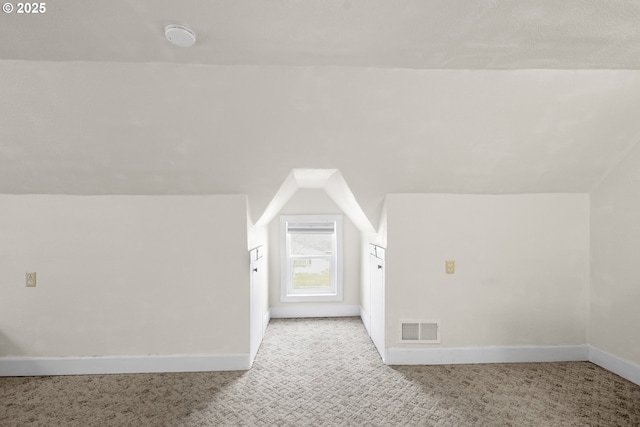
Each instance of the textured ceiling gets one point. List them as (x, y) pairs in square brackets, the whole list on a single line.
[(467, 34), (402, 96)]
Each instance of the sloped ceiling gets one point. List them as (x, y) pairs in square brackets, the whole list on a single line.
[(407, 96), (328, 180)]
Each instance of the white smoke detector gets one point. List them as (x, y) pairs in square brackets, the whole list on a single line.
[(180, 35)]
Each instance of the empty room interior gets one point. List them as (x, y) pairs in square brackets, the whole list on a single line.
[(464, 177)]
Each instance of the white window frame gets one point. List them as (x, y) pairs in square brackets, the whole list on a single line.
[(287, 294)]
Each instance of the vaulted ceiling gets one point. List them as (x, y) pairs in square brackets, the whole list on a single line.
[(403, 96)]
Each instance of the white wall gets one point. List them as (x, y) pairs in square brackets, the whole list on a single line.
[(615, 249), (522, 265), (307, 202), (123, 275)]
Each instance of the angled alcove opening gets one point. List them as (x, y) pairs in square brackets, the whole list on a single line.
[(329, 180)]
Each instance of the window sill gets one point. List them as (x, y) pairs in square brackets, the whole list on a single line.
[(311, 298)]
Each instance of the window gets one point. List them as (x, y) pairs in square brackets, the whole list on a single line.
[(311, 253)]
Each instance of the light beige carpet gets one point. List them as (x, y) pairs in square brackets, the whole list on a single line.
[(326, 372)]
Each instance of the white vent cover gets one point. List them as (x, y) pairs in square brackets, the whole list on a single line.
[(420, 331)]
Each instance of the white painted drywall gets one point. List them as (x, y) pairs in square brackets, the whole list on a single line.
[(306, 202), (464, 34), (124, 275), (521, 267), (615, 276), (387, 130)]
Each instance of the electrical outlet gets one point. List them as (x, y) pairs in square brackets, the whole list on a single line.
[(31, 280), (450, 266)]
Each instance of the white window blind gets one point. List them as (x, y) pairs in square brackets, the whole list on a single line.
[(311, 227)]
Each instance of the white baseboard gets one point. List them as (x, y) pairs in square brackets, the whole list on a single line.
[(315, 311), (618, 366), (366, 321), (469, 355), (39, 366)]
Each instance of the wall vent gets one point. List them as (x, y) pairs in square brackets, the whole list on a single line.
[(420, 331)]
